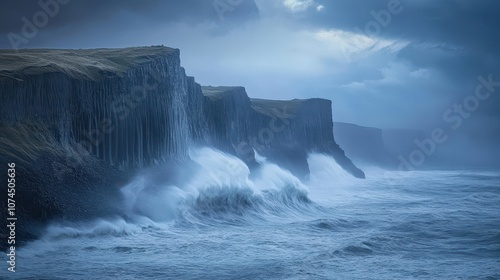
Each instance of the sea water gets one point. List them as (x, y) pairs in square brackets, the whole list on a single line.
[(224, 223)]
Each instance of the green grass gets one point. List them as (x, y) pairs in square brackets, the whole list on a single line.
[(26, 142), (85, 64), (217, 92), (267, 107), (263, 106)]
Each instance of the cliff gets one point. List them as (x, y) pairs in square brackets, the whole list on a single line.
[(364, 145), (375, 146), (79, 122), (136, 107), (125, 106), (283, 131)]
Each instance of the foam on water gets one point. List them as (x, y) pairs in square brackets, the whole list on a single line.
[(219, 188), (100, 227), (221, 223), (324, 168)]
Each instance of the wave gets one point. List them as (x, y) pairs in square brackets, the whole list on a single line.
[(219, 190), (324, 168), (100, 227)]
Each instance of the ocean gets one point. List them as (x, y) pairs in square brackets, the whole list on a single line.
[(223, 223)]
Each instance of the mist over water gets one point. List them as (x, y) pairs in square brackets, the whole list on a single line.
[(222, 222)]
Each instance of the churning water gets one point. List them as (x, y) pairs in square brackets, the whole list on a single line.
[(224, 224)]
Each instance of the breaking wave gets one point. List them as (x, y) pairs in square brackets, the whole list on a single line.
[(219, 190)]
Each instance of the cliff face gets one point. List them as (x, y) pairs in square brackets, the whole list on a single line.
[(364, 144), (375, 146), (127, 107), (77, 123), (283, 131), (136, 107)]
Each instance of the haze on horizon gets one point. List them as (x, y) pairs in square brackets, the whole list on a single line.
[(384, 63)]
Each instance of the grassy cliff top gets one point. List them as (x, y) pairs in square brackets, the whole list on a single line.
[(85, 64), (264, 106), (218, 92), (271, 107)]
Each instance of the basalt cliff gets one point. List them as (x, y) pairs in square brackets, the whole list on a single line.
[(77, 122)]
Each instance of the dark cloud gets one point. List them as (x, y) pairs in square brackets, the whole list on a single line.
[(471, 24), (456, 40), (76, 15), (458, 36)]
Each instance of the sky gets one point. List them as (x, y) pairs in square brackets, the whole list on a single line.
[(384, 63)]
